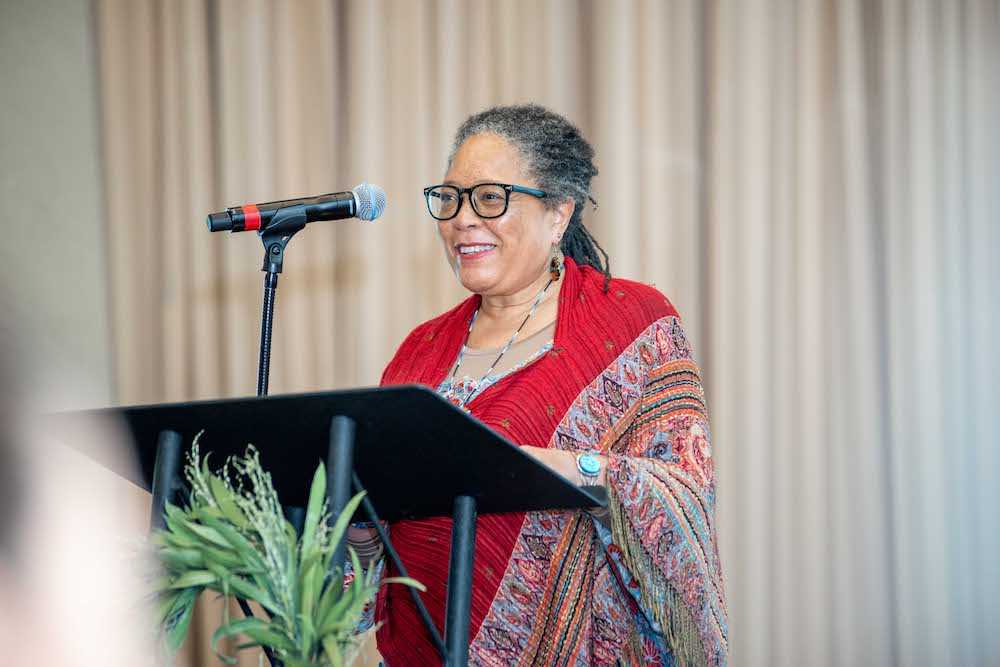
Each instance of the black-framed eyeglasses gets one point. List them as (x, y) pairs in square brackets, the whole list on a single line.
[(489, 200)]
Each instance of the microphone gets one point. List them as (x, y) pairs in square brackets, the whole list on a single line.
[(365, 201)]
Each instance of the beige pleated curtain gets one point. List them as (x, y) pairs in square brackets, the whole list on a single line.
[(814, 185)]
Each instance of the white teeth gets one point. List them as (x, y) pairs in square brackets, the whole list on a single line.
[(469, 249)]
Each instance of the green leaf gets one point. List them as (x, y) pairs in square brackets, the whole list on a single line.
[(221, 557), (178, 626), (230, 629), (240, 544), (177, 532), (291, 540), (262, 632), (223, 575), (207, 533), (340, 525), (292, 562), (194, 578), (332, 649), (205, 472), (181, 540), (355, 565), (308, 636), (333, 591), (406, 581), (341, 615), (317, 494), (181, 559), (173, 512), (310, 583), (335, 613), (224, 497), (271, 637), (248, 591), (165, 605), (204, 511)]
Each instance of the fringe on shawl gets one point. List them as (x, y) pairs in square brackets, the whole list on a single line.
[(656, 593)]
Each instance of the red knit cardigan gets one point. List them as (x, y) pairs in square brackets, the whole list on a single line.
[(594, 327)]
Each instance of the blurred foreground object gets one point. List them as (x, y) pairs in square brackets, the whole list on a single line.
[(70, 582)]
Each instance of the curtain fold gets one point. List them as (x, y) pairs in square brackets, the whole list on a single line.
[(813, 184)]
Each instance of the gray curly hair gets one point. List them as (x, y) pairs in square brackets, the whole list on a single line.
[(559, 159)]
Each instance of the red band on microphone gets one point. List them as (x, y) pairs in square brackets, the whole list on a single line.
[(251, 217)]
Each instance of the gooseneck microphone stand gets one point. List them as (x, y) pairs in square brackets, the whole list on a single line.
[(282, 227)]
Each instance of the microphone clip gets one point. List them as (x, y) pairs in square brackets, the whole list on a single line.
[(280, 229)]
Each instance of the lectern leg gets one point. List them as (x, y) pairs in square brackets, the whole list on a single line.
[(463, 542), (339, 466), (165, 469)]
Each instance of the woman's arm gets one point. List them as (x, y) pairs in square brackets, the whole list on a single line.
[(564, 463)]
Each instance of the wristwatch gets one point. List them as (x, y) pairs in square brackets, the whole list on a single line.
[(589, 467)]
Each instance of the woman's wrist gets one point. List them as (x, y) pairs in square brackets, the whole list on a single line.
[(590, 469), (565, 463)]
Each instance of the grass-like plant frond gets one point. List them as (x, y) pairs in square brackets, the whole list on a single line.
[(233, 538)]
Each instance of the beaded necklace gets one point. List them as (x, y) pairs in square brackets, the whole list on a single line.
[(503, 351)]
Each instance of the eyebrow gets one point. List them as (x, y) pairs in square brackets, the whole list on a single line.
[(474, 184)]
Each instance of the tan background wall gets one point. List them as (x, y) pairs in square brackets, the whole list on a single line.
[(53, 250)]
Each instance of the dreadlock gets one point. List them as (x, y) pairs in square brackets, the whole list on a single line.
[(578, 243), (559, 159)]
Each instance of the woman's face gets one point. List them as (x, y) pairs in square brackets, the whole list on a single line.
[(499, 256)]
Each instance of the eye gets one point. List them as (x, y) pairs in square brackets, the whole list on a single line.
[(445, 197)]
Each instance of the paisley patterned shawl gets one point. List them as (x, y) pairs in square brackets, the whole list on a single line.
[(559, 587)]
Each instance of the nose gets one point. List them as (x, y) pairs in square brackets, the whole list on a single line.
[(466, 217)]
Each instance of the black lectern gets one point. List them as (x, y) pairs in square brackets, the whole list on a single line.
[(415, 454)]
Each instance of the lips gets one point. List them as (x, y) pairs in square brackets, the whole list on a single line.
[(473, 250)]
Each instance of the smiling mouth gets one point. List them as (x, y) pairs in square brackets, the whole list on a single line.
[(473, 251)]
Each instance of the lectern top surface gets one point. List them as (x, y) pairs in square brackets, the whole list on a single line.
[(414, 451)]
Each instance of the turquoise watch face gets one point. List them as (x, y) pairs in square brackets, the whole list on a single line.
[(588, 465)]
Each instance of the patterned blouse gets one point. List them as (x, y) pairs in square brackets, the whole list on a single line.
[(459, 390)]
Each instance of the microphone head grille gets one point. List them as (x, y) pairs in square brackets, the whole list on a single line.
[(370, 200)]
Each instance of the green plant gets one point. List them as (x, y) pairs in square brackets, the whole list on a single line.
[(234, 539)]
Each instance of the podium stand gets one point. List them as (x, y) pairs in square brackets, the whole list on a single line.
[(415, 454)]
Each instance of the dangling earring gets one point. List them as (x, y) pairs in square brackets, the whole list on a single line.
[(556, 263)]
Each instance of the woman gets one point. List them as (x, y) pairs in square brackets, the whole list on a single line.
[(593, 376)]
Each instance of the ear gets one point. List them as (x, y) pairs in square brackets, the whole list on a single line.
[(561, 215)]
